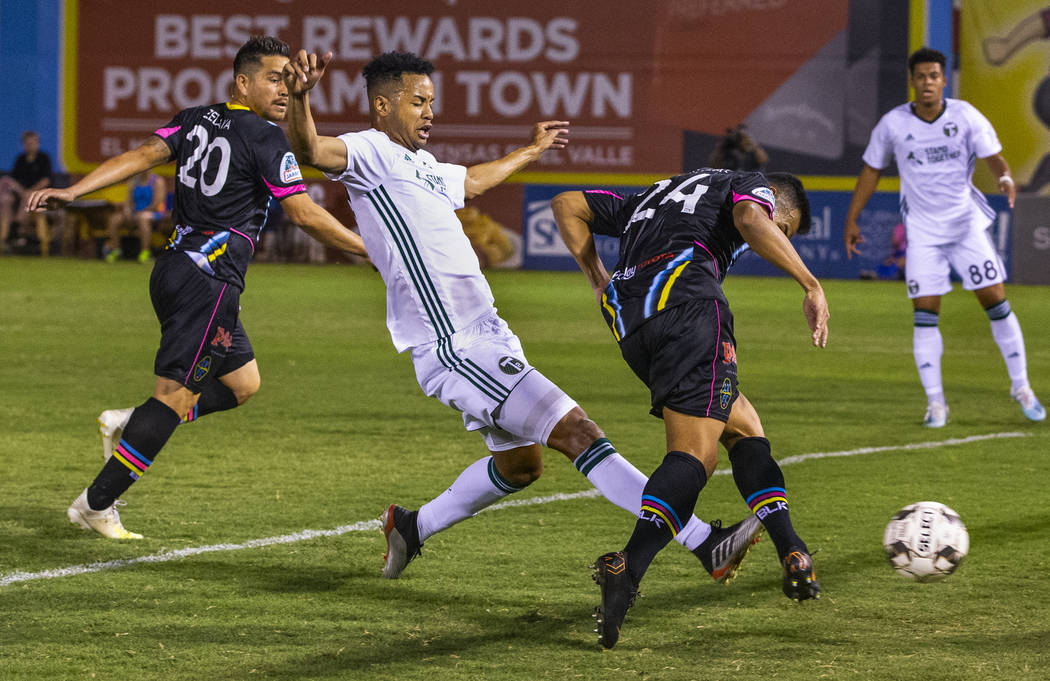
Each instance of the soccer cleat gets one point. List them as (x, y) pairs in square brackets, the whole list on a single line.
[(936, 415), (618, 594), (800, 582), (402, 539), (723, 551), (1029, 404), (111, 255), (145, 257), (111, 425), (106, 522)]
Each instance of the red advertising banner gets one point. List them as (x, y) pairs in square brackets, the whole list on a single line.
[(638, 81)]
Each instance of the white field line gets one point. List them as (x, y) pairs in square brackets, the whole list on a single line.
[(372, 525)]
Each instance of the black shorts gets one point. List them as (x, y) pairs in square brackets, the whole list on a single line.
[(201, 337), (686, 355)]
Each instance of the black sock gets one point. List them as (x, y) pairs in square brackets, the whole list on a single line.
[(149, 427), (667, 502), (215, 397), (761, 483)]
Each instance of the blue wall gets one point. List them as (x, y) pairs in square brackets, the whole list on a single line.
[(29, 50)]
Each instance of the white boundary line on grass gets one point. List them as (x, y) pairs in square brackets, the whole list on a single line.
[(365, 525)]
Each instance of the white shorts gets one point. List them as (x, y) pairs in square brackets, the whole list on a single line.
[(927, 269), (482, 372)]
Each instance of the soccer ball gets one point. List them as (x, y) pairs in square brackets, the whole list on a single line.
[(926, 541)]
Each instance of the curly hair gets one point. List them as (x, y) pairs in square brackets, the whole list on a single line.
[(387, 68)]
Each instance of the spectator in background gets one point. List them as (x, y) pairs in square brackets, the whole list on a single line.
[(738, 151), (32, 171), (147, 203)]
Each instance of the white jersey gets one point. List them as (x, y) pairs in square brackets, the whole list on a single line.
[(404, 202), (935, 159)]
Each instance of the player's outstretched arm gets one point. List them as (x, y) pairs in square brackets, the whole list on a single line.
[(573, 216), (1000, 169), (301, 73), (766, 239), (867, 181), (321, 225), (153, 152), (545, 135)]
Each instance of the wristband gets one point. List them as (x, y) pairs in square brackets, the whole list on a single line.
[(1006, 178)]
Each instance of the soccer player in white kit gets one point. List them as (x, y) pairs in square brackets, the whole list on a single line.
[(936, 142), (440, 309)]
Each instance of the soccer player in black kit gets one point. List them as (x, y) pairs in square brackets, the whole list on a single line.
[(665, 307), (230, 160)]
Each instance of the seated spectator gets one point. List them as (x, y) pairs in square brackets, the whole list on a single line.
[(147, 204), (32, 171)]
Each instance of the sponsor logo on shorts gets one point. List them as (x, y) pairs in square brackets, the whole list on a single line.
[(201, 370), (913, 286), (728, 353), (726, 392), (290, 169), (223, 338), (510, 365)]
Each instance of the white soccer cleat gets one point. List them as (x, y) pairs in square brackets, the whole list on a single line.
[(111, 426), (936, 415), (106, 522), (1029, 404)]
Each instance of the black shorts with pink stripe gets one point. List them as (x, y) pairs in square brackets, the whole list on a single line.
[(201, 337), (686, 355)]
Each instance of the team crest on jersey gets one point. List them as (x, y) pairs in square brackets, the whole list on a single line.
[(510, 365), (201, 370), (951, 129), (726, 393), (766, 194), (290, 169)]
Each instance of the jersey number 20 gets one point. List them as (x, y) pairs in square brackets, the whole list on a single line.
[(202, 153)]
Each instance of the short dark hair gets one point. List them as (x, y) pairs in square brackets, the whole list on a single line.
[(29, 133), (925, 55), (387, 68), (251, 53), (790, 189)]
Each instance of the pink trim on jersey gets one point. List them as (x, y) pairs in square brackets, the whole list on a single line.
[(165, 133), (737, 198), (714, 362), (205, 338), (246, 237), (602, 191), (709, 253), (281, 192)]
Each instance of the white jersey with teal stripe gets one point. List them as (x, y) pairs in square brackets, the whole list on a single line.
[(405, 205), (936, 159)]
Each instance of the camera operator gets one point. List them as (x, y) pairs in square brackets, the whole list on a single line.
[(738, 151)]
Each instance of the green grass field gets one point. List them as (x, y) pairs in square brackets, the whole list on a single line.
[(340, 429)]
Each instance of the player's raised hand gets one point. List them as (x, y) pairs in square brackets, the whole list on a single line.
[(815, 306), (852, 237), (550, 135), (303, 71), (48, 199)]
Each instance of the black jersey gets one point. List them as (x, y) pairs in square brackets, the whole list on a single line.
[(229, 163), (677, 240)]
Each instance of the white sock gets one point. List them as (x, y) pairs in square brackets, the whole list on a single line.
[(928, 346), (622, 484), (478, 486), (1007, 334)]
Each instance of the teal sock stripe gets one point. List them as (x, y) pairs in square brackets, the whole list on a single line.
[(599, 450), (499, 481)]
